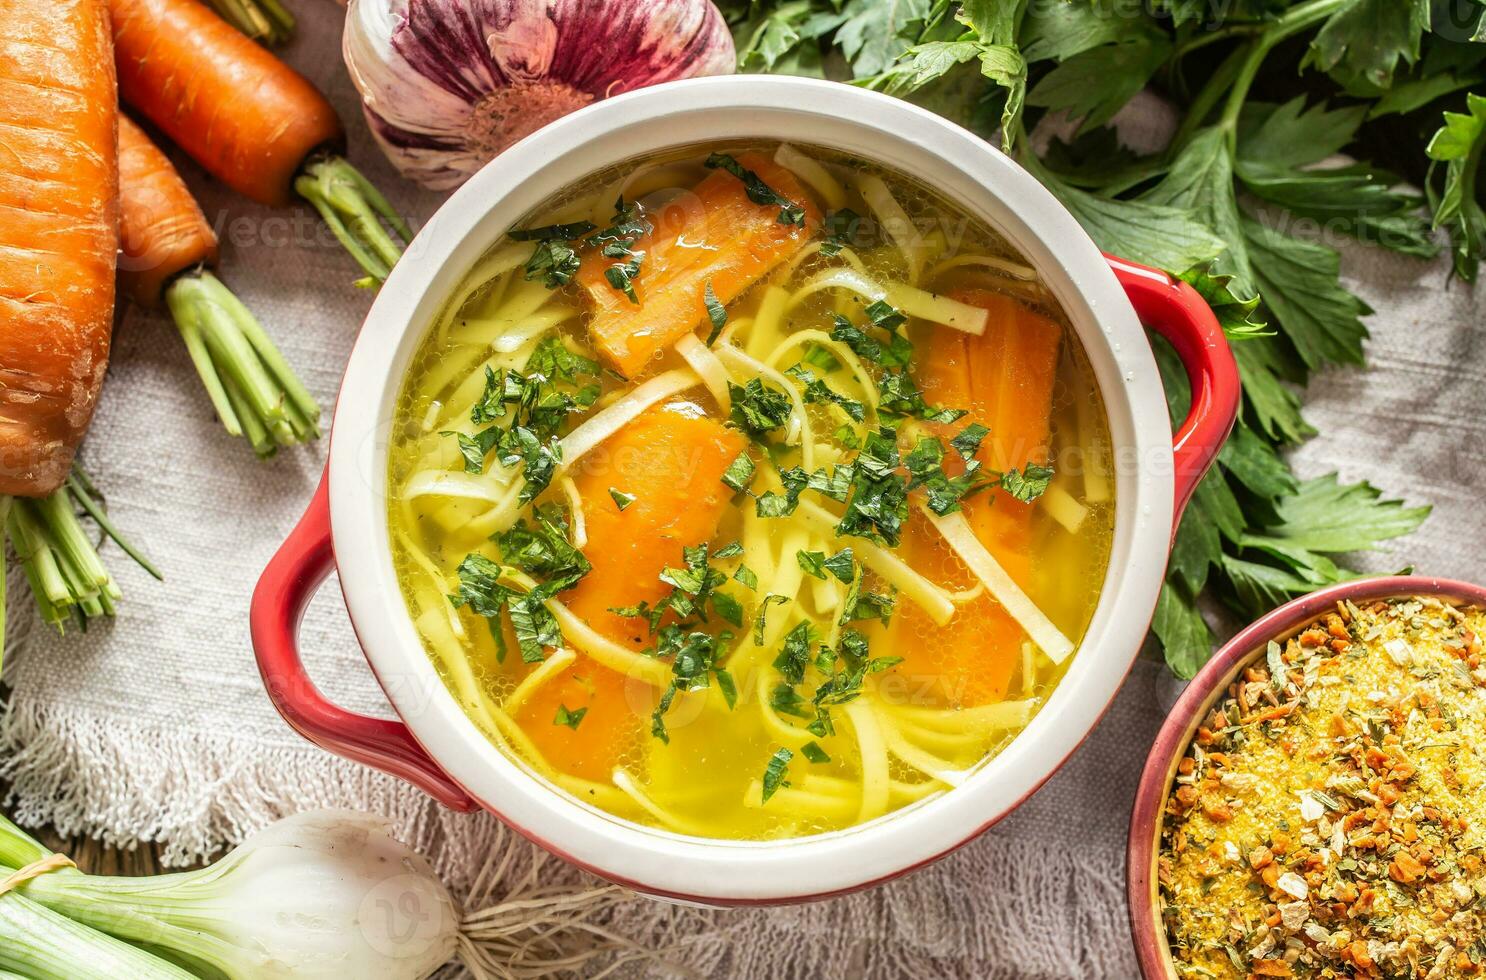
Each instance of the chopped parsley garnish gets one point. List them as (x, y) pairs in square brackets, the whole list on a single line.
[(813, 752), (895, 352), (618, 242), (739, 473), (746, 576), (693, 656), (812, 563), (758, 192), (1027, 484), (820, 357), (541, 550), (621, 499), (840, 229), (571, 719), (538, 404), (771, 504), (878, 502), (730, 550), (762, 615), (842, 564), (759, 408), (943, 492), (554, 261), (716, 312), (794, 656), (967, 443), (774, 772), (818, 392), (899, 395)]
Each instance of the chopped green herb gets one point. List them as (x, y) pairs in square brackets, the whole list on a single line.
[(572, 719), (746, 576), (1029, 484), (621, 499), (812, 563), (759, 408), (739, 473), (554, 261), (730, 550), (716, 312), (967, 443), (842, 565), (758, 192), (794, 654), (813, 752), (727, 686), (762, 614), (878, 504), (618, 242), (840, 230)]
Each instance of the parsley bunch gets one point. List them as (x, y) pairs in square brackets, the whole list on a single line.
[(1224, 204)]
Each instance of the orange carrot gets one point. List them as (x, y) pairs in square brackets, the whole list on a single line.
[(58, 232), (243, 114), (671, 459), (1005, 379), (162, 231), (712, 234), (168, 251), (252, 121)]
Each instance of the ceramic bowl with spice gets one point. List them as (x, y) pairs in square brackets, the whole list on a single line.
[(1315, 805)]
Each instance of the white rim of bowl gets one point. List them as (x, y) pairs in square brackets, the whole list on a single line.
[(896, 134)]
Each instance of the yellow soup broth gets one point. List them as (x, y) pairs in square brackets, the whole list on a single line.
[(751, 491)]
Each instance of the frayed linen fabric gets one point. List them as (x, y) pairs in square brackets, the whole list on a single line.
[(154, 727)]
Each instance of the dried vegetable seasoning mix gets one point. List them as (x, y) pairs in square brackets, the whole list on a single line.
[(1329, 818)]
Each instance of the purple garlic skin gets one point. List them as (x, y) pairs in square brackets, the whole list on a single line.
[(446, 85)]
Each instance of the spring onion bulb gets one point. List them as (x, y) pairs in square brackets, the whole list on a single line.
[(326, 895), (983, 565)]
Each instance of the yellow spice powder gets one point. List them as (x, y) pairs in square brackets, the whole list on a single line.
[(1329, 818)]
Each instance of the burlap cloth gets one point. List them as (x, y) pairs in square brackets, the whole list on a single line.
[(155, 727)]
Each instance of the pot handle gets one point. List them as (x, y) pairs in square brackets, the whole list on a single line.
[(284, 590), (1178, 312)]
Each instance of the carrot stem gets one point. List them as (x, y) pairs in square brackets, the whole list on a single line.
[(254, 391), (87, 495), (60, 560), (356, 212), (265, 21)]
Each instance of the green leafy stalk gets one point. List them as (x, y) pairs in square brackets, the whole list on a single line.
[(60, 560), (265, 21), (254, 391), (360, 217)]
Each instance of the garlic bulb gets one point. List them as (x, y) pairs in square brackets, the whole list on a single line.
[(448, 84)]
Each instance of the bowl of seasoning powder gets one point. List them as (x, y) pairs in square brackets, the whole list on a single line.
[(1315, 805)]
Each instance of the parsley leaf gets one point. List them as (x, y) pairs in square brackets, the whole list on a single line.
[(716, 312), (621, 499), (775, 771), (758, 192), (759, 409), (571, 719), (1028, 484)]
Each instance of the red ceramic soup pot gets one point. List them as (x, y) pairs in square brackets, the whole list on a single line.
[(434, 746)]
